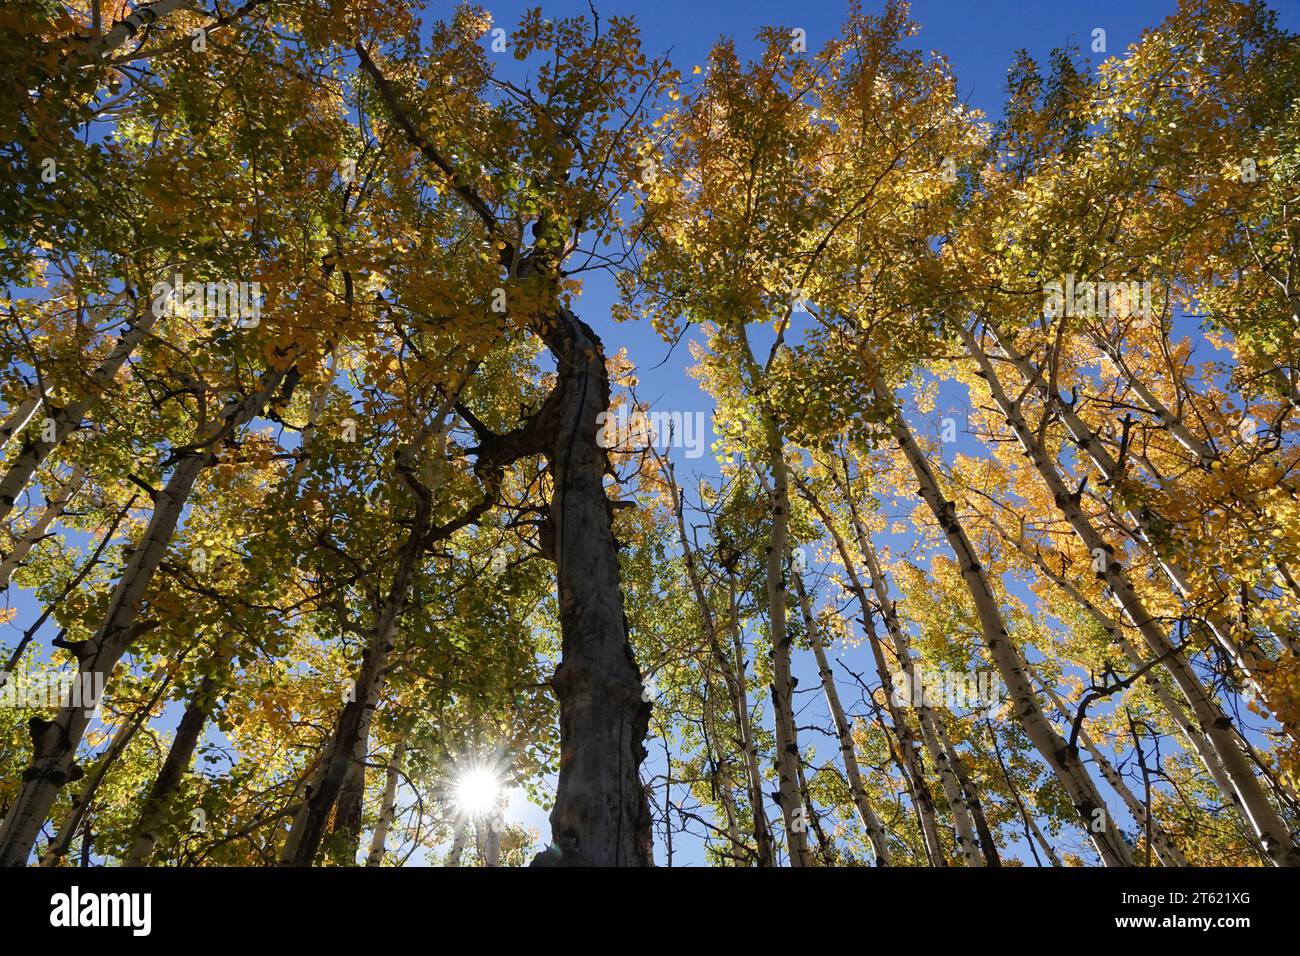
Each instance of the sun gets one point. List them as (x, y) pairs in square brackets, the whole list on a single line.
[(477, 791)]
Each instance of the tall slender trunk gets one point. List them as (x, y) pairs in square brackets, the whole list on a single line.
[(1245, 654), (719, 763), (910, 762), (1041, 840), (72, 821), (456, 852), (1062, 759), (732, 669), (492, 843), (347, 748), (1161, 842), (308, 829), (944, 758), (825, 848), (763, 841), (728, 801), (787, 738), (1195, 738), (345, 831), (843, 733), (55, 742), (168, 781), (1264, 819), (988, 845), (387, 806)]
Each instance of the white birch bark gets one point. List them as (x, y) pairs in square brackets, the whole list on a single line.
[(55, 743), (1069, 770), (20, 418), (1264, 819), (138, 19), (308, 829), (787, 741), (911, 765), (1161, 842), (766, 846), (1192, 734), (1041, 840), (1246, 656), (387, 806), (67, 419), (732, 671), (457, 850), (843, 733), (949, 780)]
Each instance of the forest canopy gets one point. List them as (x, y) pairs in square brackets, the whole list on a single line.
[(335, 524)]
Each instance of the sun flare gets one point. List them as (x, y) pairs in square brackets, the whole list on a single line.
[(477, 792)]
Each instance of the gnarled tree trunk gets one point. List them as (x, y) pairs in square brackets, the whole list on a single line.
[(601, 815)]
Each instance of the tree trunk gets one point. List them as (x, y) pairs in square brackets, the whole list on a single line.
[(1161, 842), (787, 740), (20, 417), (763, 841), (54, 507), (347, 748), (825, 848), (457, 849), (601, 815), (168, 781), (123, 30), (967, 811), (72, 822), (387, 806), (988, 846), (1245, 655), (1032, 824), (54, 743), (911, 764), (1192, 734), (492, 842), (345, 831), (732, 670), (67, 419), (1063, 760), (308, 830), (1264, 819), (953, 791), (844, 734)]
